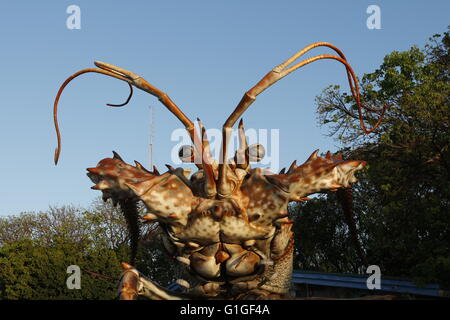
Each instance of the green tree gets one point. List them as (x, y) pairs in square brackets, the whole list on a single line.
[(37, 248), (323, 242), (402, 199), (30, 270)]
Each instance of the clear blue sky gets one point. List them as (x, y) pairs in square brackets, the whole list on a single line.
[(204, 54)]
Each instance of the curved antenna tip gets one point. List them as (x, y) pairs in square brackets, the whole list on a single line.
[(126, 101), (56, 157)]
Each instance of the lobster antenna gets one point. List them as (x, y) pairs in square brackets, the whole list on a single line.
[(65, 83), (269, 79)]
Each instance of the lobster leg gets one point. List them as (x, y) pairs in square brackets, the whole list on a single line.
[(130, 213), (132, 285), (345, 197)]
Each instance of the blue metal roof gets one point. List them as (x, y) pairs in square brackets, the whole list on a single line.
[(357, 282), (360, 282)]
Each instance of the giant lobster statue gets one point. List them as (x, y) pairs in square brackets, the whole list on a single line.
[(227, 224)]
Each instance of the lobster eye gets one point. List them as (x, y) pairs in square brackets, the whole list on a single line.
[(256, 152), (186, 154)]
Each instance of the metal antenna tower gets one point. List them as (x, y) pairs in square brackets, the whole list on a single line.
[(151, 136)]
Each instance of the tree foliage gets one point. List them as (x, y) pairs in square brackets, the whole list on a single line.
[(37, 248), (402, 199)]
